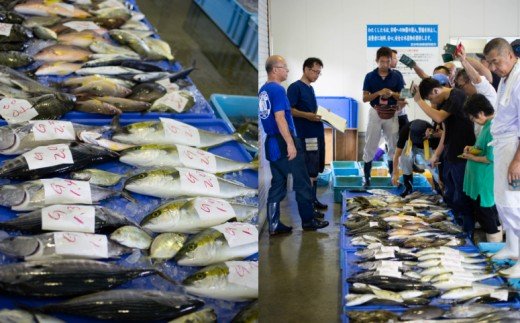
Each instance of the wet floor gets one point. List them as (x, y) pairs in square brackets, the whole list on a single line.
[(299, 273), (221, 67)]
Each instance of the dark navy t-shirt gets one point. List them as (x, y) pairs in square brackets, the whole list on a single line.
[(374, 82), (272, 98), (301, 97)]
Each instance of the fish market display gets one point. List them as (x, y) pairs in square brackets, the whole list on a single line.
[(248, 314), (185, 182), (60, 278), (225, 242), (196, 214), (61, 218), (128, 305), (233, 280), (160, 156), (66, 69)]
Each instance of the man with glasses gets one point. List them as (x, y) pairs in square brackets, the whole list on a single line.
[(284, 151), (382, 89), (308, 124), (458, 133)]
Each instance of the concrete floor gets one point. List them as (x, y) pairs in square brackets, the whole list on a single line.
[(221, 67), (299, 273)]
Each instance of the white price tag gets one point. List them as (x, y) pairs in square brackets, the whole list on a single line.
[(238, 234), (137, 16), (81, 25), (501, 295), (391, 264), (459, 281), (5, 29), (384, 255), (210, 208), (373, 224), (66, 191), (75, 218), (197, 159), (374, 245), (51, 130), (16, 110), (389, 248), (169, 86), (389, 272), (181, 133), (243, 273), (197, 182), (86, 245), (48, 156), (448, 251), (174, 100)]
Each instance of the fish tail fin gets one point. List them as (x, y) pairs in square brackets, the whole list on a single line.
[(115, 125), (238, 137), (166, 277), (254, 164)]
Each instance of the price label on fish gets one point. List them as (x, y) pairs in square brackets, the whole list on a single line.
[(169, 86), (390, 272), (243, 273), (51, 130), (75, 218), (197, 158), (5, 29), (48, 156), (86, 245), (66, 191), (196, 182), (81, 25), (238, 234), (180, 133), (501, 295), (174, 100), (211, 208), (111, 4), (16, 110), (384, 255)]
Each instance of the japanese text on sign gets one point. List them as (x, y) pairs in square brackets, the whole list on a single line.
[(402, 35)]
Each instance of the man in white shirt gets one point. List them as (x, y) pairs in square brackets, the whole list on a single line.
[(506, 133)]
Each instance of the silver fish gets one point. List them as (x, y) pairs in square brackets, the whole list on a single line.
[(132, 237), (107, 70), (97, 177), (185, 182), (166, 245), (196, 214)]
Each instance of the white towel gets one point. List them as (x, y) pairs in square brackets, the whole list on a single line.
[(511, 83)]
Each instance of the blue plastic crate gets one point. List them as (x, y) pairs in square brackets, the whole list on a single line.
[(324, 178), (230, 16), (235, 108), (342, 106), (249, 45)]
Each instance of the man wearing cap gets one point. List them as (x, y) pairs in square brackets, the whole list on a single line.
[(506, 134), (414, 142), (284, 151), (458, 133), (382, 89)]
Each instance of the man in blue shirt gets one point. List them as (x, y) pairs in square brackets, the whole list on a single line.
[(382, 89), (284, 151), (308, 124)]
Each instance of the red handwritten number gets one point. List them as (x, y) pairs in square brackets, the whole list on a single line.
[(241, 270), (192, 178), (41, 128), (205, 208), (57, 188), (69, 238), (208, 183), (56, 215), (38, 156), (59, 129)]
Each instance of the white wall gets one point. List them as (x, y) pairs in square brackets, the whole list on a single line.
[(335, 31)]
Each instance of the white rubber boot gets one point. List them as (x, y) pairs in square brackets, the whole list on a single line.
[(513, 272), (510, 250), (494, 237)]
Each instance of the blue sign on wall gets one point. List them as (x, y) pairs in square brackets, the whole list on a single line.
[(402, 35)]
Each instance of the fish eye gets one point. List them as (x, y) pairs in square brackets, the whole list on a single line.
[(192, 246), (200, 276), (156, 213), (140, 176)]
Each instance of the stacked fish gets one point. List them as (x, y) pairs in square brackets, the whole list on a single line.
[(77, 218), (406, 256), (110, 56)]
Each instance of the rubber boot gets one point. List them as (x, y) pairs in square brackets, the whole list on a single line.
[(367, 169), (494, 237), (408, 185), (391, 167), (317, 204), (510, 250), (319, 215), (314, 224), (273, 216), (513, 272)]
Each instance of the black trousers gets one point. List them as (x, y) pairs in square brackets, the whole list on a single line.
[(301, 182), (486, 216)]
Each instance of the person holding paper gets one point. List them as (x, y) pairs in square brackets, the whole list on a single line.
[(458, 133), (506, 133), (309, 129), (478, 177), (382, 89), (414, 142), (284, 151)]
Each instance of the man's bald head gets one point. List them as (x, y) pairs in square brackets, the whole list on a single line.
[(501, 46), (273, 61)]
